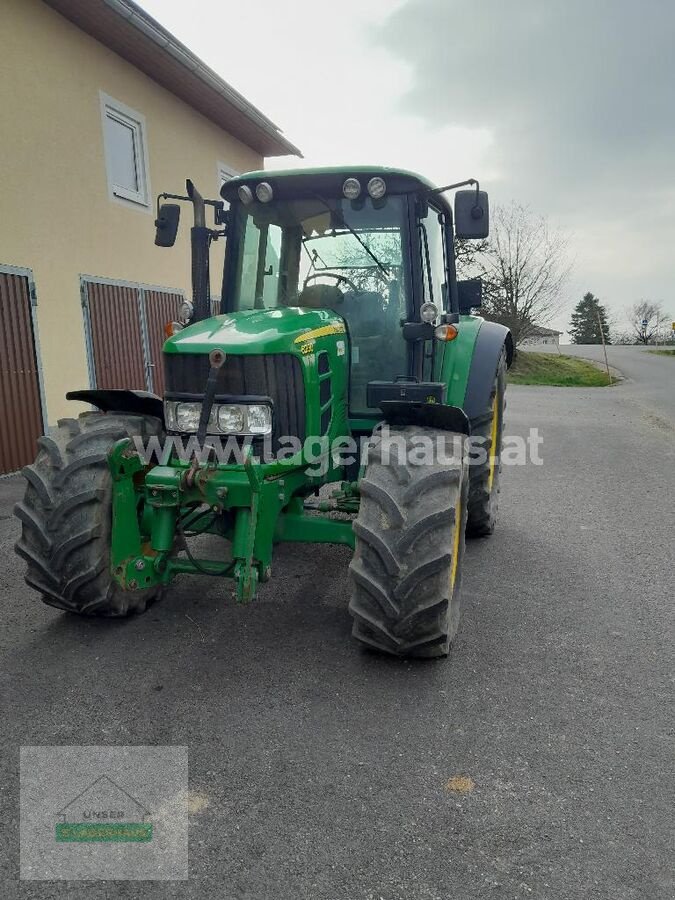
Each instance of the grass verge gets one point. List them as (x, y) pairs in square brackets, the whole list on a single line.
[(555, 370), (666, 351)]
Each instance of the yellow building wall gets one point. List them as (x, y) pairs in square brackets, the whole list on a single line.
[(56, 216)]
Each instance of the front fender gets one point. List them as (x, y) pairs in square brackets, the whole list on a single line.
[(138, 403), (434, 415), (492, 340)]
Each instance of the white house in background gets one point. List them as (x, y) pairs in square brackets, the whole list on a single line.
[(538, 335)]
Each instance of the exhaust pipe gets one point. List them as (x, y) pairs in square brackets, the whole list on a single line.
[(200, 239)]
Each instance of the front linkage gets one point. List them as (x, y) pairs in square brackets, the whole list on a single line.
[(252, 505)]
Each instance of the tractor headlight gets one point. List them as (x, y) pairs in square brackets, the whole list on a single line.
[(231, 419), (351, 188), (245, 194), (259, 418), (186, 312), (377, 187), (264, 192), (182, 416), (225, 418), (428, 312)]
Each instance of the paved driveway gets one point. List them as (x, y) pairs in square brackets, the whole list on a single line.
[(536, 762)]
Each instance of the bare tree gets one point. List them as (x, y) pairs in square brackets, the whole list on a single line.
[(647, 320), (468, 255), (524, 269), (621, 336)]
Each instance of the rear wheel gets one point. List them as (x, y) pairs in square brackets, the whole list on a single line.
[(66, 516), (406, 571), (484, 478)]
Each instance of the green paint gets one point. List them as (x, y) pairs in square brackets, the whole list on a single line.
[(457, 357), (103, 832), (263, 498), (254, 331), (314, 530), (256, 505), (125, 544)]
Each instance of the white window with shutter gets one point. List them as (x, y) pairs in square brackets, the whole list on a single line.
[(126, 153), (225, 172)]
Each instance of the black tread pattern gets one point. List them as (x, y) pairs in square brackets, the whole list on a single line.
[(483, 502), (65, 516), (400, 574)]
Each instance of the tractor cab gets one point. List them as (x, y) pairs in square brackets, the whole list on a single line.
[(372, 245)]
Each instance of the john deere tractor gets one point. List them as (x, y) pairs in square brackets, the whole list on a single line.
[(345, 393)]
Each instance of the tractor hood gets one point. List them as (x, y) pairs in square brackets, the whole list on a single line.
[(284, 330)]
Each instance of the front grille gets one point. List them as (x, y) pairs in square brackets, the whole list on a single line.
[(275, 375)]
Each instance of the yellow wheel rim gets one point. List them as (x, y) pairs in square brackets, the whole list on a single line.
[(455, 544), (494, 431)]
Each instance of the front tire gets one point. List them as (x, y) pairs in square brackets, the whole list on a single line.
[(407, 567), (66, 516)]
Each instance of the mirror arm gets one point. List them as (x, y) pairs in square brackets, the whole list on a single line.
[(458, 184), (168, 197), (220, 213)]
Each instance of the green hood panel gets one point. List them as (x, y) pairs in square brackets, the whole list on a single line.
[(257, 331)]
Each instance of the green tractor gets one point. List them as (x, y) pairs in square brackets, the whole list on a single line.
[(344, 393)]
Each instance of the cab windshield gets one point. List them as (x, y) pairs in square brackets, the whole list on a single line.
[(336, 254)]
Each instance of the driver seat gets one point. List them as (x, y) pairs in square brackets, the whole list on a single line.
[(321, 296)]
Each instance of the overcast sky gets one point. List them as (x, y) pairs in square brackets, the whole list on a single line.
[(566, 105)]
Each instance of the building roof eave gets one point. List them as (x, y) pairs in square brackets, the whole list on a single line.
[(129, 31)]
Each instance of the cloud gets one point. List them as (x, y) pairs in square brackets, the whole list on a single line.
[(578, 97), (566, 105), (581, 89)]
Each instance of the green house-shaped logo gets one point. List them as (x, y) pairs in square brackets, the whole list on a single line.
[(104, 812)]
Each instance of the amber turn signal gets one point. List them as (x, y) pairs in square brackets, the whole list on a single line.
[(172, 328), (445, 333)]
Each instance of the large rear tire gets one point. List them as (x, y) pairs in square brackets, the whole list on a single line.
[(407, 567), (66, 516), (484, 478)]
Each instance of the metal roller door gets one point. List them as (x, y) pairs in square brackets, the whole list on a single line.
[(160, 307), (116, 337), (124, 323), (21, 406)]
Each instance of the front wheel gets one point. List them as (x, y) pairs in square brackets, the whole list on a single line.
[(407, 568), (66, 516), (484, 478)]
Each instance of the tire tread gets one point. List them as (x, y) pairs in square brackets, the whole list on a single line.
[(65, 516)]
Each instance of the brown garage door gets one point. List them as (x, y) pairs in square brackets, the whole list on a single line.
[(20, 407), (160, 307), (125, 326), (116, 336)]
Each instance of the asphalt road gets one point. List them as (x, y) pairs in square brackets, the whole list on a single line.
[(320, 771), (650, 378)]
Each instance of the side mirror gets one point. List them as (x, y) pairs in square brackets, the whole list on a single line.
[(472, 215), (166, 224), (470, 294)]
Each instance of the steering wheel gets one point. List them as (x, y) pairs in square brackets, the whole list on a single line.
[(338, 278)]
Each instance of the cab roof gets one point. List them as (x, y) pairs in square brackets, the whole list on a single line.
[(295, 182)]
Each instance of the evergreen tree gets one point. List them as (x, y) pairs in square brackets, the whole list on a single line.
[(584, 327)]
